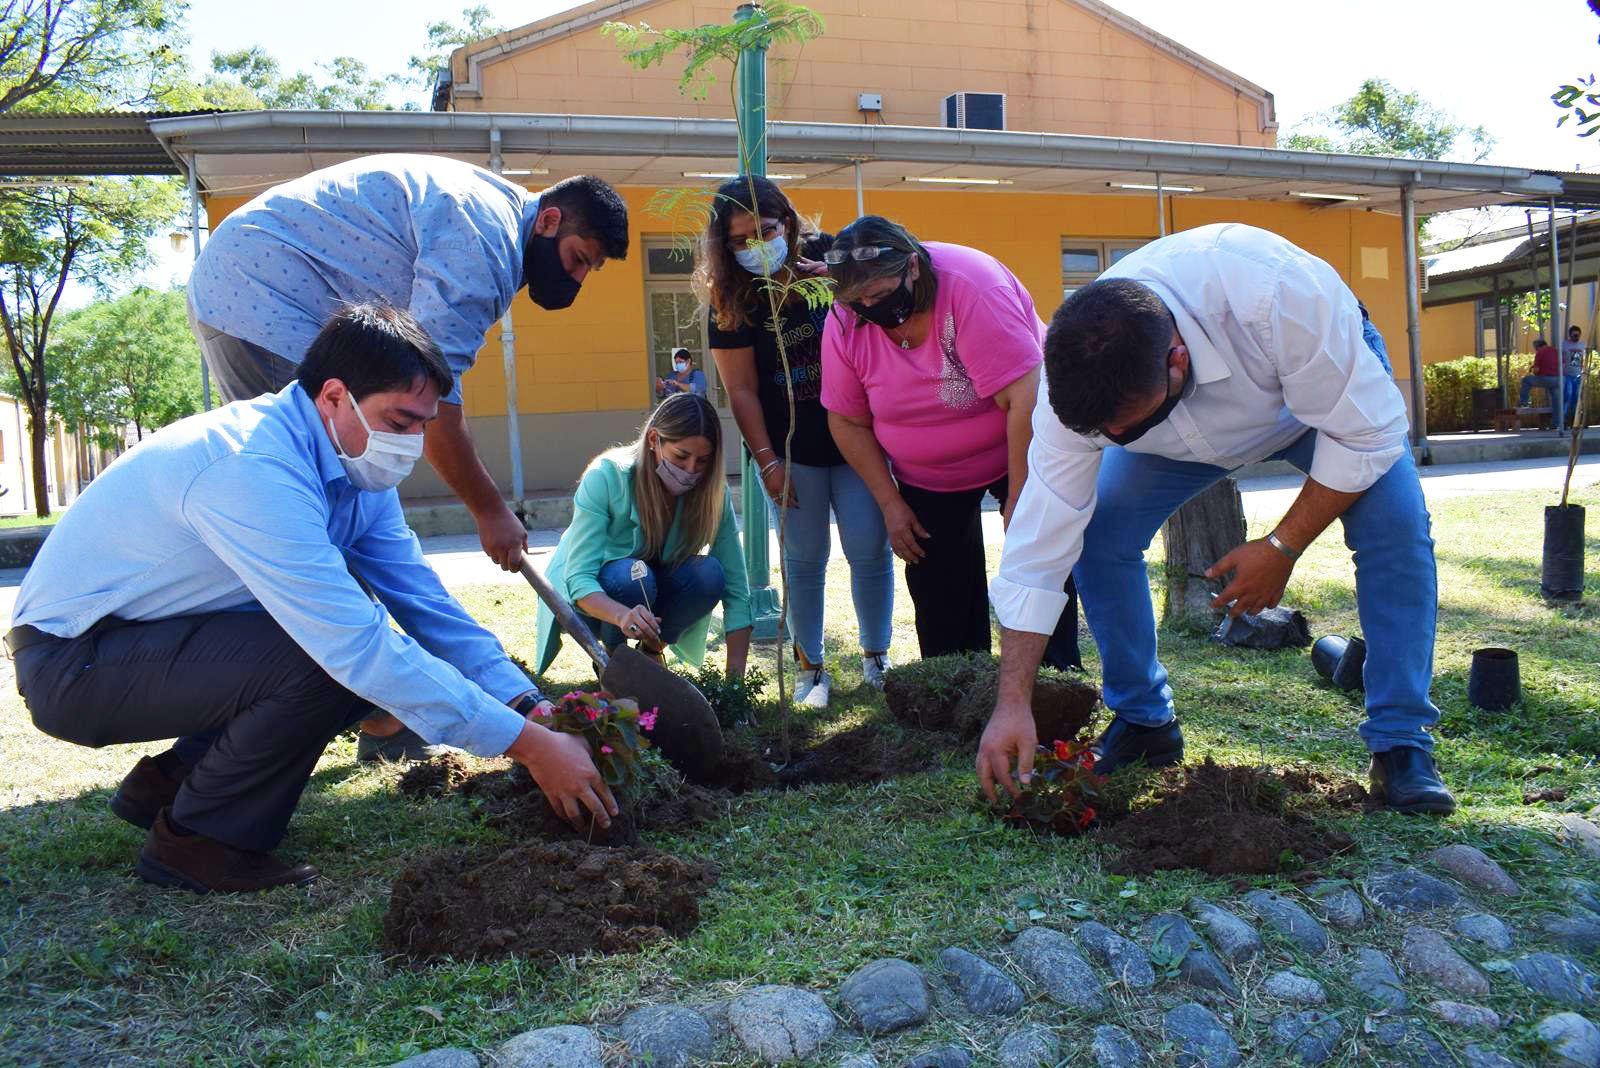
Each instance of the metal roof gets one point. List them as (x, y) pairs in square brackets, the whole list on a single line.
[(244, 152), (84, 143), (1512, 265)]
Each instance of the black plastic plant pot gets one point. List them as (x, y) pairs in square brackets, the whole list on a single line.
[(1348, 675), (1495, 681), (1562, 576), (1326, 652)]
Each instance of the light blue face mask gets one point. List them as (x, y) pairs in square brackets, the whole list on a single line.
[(764, 257)]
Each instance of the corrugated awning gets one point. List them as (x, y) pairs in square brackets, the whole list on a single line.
[(84, 143)]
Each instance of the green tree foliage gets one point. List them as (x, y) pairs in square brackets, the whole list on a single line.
[(125, 362), (250, 78), (82, 54), (443, 38), (1381, 120), (96, 230), (1579, 99)]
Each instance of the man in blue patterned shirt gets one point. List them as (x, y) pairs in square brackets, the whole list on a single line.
[(233, 618)]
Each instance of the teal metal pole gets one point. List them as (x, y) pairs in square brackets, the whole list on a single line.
[(751, 105)]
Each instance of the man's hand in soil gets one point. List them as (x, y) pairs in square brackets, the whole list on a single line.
[(564, 769), (1011, 734), (504, 537), (1260, 574)]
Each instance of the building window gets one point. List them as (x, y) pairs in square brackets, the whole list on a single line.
[(1488, 341), (1082, 260), (673, 315)]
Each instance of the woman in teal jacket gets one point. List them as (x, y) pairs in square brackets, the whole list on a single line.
[(656, 503)]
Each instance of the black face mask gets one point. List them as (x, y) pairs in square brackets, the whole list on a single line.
[(1155, 419), (549, 284), (891, 311)]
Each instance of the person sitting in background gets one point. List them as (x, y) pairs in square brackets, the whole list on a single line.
[(685, 377), (631, 558), (1572, 353), (1546, 376), (236, 618)]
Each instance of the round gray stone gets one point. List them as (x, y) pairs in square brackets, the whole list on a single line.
[(1484, 929), (1309, 1037), (1171, 937), (1030, 1047), (1476, 1056), (1578, 934), (1581, 892), (1052, 960), (1559, 978), (1295, 989), (942, 1057), (1582, 833), (1289, 920), (781, 1023), (1113, 1047), (1339, 905), (1574, 1042), (1475, 868), (1200, 1037), (1123, 959), (1409, 890), (1375, 977), (1425, 952), (984, 989), (857, 1060), (1235, 939), (886, 996), (447, 1057), (667, 1036), (1460, 1014), (1406, 1041), (567, 1046)]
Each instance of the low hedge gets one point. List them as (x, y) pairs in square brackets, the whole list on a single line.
[(1448, 387)]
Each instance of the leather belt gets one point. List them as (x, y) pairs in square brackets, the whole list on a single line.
[(20, 638)]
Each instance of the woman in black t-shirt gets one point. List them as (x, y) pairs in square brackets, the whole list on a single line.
[(745, 245)]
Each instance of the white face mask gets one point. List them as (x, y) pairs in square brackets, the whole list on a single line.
[(764, 257), (387, 459)]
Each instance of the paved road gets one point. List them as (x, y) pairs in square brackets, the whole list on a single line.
[(460, 561)]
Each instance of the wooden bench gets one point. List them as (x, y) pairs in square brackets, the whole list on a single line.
[(1508, 419)]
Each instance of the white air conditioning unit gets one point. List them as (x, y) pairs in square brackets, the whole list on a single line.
[(975, 111)]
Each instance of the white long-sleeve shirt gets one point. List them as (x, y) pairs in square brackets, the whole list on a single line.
[(1274, 339)]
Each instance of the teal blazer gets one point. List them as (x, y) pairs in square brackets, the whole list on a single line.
[(605, 527)]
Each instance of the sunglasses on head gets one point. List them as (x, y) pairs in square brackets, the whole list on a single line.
[(861, 253)]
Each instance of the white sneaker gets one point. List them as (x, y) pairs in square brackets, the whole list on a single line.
[(812, 687), (873, 668)]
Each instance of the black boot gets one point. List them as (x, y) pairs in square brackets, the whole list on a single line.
[(1405, 780), (1125, 743)]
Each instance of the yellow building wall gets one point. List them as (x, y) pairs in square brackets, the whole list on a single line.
[(1447, 332), (1063, 70)]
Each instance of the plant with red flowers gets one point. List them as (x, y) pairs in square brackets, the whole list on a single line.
[(613, 726), (1062, 795)]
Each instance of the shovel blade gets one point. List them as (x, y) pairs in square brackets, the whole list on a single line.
[(686, 729)]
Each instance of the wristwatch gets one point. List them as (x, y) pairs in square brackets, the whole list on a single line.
[(525, 704), (1277, 543)]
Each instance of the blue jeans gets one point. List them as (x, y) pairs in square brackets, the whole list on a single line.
[(1570, 393), (1554, 387), (679, 597), (807, 544), (1387, 529)]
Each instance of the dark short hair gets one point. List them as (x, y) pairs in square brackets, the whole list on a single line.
[(1107, 345), (1538, 342), (851, 276), (590, 208), (373, 348), (1575, 330)]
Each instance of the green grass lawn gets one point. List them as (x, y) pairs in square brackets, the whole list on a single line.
[(98, 967), (7, 522)]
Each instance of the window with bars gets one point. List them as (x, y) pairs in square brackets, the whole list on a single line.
[(673, 315), (1083, 259)]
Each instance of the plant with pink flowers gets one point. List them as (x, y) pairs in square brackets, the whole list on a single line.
[(613, 726)]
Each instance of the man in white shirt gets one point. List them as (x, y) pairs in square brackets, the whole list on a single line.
[(1200, 353)]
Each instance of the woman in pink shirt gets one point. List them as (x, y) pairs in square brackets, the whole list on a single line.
[(930, 368)]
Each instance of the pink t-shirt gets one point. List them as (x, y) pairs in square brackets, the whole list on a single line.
[(932, 406)]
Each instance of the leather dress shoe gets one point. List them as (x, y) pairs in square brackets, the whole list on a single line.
[(207, 866), (144, 792), (1405, 780), (406, 744), (1125, 743)]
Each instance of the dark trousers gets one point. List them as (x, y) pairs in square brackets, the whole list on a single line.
[(950, 585), (233, 675), (240, 369)]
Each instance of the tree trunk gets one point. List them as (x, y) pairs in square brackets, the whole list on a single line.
[(41, 477), (1198, 535)]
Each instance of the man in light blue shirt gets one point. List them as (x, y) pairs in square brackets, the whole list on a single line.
[(204, 585)]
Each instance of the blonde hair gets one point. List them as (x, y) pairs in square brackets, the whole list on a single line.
[(683, 415)]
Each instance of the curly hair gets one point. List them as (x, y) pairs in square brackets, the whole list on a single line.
[(1107, 345)]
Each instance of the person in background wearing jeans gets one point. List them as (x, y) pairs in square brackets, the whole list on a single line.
[(232, 612), (742, 247), (1548, 377), (930, 370), (1572, 353), (1201, 352), (685, 377), (631, 558)]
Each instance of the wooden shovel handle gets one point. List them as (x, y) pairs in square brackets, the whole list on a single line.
[(565, 614)]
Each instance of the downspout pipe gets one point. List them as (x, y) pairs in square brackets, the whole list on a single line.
[(508, 357), (1419, 409), (194, 239)]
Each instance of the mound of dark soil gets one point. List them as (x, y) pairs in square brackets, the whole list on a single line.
[(869, 753), (1228, 820), (956, 693), (542, 900), (441, 775)]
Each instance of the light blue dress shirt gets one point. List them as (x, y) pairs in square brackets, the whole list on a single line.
[(247, 508), (440, 238)]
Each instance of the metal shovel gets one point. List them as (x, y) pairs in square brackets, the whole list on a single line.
[(686, 729)]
